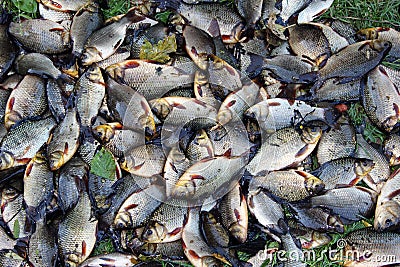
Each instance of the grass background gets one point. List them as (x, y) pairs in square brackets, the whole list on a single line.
[(359, 13)]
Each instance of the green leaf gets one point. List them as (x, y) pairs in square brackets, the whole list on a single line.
[(163, 17), (26, 5), (16, 228), (160, 51), (103, 164)]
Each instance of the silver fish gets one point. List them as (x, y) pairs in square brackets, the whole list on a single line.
[(27, 100), (387, 216), (350, 203), (381, 100), (64, 141), (38, 175), (79, 224), (102, 43), (149, 79), (284, 148), (41, 36), (90, 91), (23, 141), (90, 16)]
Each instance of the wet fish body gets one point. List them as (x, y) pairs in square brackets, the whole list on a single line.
[(41, 36)]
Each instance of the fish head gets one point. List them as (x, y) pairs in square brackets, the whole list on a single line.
[(367, 34), (56, 160), (161, 108), (314, 185), (224, 116), (94, 74), (239, 232), (387, 216), (364, 166), (104, 132), (380, 46), (208, 217), (335, 224), (154, 233), (122, 220), (311, 135), (6, 160), (11, 118), (90, 55), (72, 260)]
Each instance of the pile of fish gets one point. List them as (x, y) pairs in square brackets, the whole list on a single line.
[(216, 128)]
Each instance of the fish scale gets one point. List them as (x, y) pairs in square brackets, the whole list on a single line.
[(90, 91), (338, 142), (18, 106), (344, 171), (381, 100), (25, 139), (77, 232), (41, 36)]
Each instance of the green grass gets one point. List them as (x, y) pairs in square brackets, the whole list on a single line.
[(366, 13)]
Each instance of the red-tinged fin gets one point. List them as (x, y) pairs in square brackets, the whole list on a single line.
[(228, 153), (194, 255), (341, 107), (196, 177), (201, 103), (138, 167), (382, 29), (206, 159), (178, 105), (395, 193), (176, 231), (131, 206), (10, 103), (237, 214), (231, 103), (194, 51), (130, 64), (57, 29), (231, 70), (306, 245), (302, 174), (66, 148), (226, 38), (321, 12), (381, 69), (274, 104), (56, 5), (83, 247), (355, 181), (23, 161), (396, 109), (199, 91), (250, 202), (108, 260), (28, 170), (303, 151)]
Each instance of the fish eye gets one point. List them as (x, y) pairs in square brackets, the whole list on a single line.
[(388, 222), (149, 232)]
